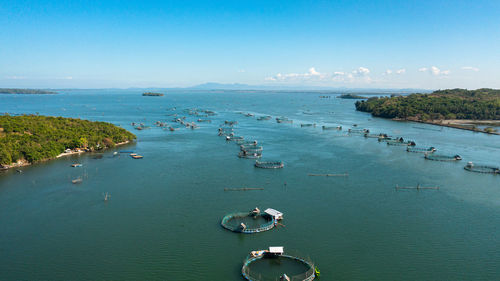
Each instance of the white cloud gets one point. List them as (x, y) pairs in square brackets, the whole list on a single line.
[(434, 71), (387, 72), (361, 71), (241, 70), (401, 71), (312, 75), (472, 68)]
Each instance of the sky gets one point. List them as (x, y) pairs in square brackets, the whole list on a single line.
[(354, 44)]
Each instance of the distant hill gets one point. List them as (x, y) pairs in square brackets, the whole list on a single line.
[(26, 91), (238, 86)]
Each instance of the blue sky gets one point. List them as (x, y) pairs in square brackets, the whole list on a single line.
[(367, 44)]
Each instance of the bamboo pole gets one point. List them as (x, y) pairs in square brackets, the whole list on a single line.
[(243, 189), (418, 187), (329, 175)]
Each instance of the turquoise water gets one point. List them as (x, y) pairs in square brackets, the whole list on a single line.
[(163, 219)]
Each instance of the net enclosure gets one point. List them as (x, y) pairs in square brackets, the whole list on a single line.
[(485, 169), (275, 264), (441, 157), (251, 222)]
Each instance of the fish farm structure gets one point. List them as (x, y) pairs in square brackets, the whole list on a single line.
[(270, 216), (250, 154), (444, 158), (277, 254), (482, 168), (421, 149), (331, 128), (269, 164)]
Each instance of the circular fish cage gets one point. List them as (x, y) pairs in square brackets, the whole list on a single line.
[(248, 223), (443, 158), (269, 164), (260, 266), (482, 169)]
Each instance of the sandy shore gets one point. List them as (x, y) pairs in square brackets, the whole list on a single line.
[(463, 124), (22, 163)]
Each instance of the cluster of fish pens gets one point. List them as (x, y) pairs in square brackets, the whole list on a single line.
[(411, 146), (249, 149), (235, 222)]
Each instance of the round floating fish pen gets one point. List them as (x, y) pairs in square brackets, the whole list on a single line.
[(421, 149), (444, 158), (397, 143), (252, 222), (251, 148), (250, 155), (247, 142), (482, 169), (269, 164), (332, 128), (274, 264)]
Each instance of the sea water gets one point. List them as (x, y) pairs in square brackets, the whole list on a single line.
[(162, 221)]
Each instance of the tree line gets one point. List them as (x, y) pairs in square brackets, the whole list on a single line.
[(481, 104), (34, 138)]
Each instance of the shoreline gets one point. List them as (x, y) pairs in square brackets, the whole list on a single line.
[(24, 163), (462, 124)]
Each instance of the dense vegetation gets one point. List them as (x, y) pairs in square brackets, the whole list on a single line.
[(152, 94), (34, 138), (25, 91), (481, 104), (351, 96)]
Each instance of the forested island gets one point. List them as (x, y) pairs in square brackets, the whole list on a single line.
[(152, 94), (459, 108), (352, 97), (27, 139), (26, 91)]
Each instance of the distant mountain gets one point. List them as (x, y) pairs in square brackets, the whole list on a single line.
[(238, 86)]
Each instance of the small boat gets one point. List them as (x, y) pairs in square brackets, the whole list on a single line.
[(137, 156), (76, 165), (77, 181), (269, 164)]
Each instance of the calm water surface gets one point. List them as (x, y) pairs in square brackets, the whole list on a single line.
[(163, 219)]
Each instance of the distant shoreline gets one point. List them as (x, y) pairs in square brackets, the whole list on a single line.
[(462, 124), (15, 91)]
